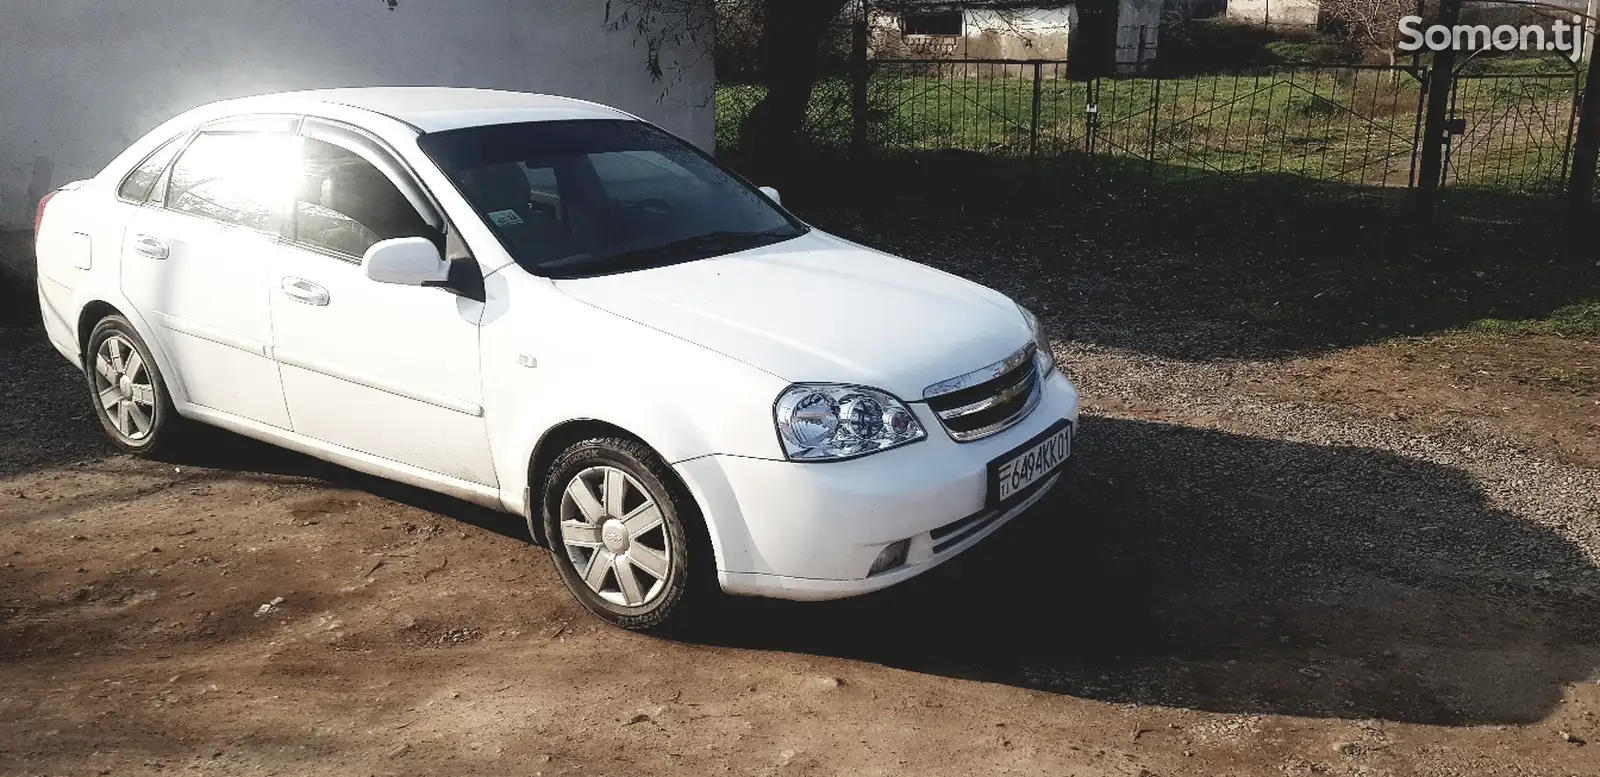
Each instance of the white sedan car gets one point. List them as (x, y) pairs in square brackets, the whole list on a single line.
[(553, 308)]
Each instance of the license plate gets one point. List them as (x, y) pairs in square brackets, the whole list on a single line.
[(1029, 463)]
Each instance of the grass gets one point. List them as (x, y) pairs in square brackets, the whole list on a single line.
[(1580, 320), (1582, 383)]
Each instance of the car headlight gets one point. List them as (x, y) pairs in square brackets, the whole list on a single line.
[(830, 421), (1041, 341)]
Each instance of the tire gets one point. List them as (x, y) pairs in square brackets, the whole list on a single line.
[(127, 391), (643, 566)]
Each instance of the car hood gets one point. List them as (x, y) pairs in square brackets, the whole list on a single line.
[(820, 308)]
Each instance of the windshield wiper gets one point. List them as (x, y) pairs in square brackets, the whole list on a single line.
[(708, 244)]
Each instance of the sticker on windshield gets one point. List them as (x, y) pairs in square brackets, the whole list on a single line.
[(505, 218)]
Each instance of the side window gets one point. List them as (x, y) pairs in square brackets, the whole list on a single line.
[(234, 178), (136, 187), (344, 204)]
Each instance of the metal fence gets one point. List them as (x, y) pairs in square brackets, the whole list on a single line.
[(1350, 129)]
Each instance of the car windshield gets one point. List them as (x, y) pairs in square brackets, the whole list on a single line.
[(591, 197)]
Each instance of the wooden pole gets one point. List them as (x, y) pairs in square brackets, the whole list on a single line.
[(1441, 77), (1585, 149)]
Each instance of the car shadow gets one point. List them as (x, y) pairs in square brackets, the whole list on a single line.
[(54, 426), (217, 449), (1206, 570)]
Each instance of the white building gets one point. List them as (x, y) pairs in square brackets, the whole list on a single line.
[(971, 29), (1004, 29), (1275, 13), (80, 79)]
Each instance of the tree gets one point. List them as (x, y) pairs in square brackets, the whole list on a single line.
[(787, 64), (1373, 25), (786, 53), (685, 27), (1094, 42)]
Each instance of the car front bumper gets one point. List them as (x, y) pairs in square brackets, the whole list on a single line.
[(812, 530)]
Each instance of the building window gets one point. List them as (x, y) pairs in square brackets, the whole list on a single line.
[(943, 23)]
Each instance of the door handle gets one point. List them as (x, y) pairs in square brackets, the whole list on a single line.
[(152, 247), (302, 290)]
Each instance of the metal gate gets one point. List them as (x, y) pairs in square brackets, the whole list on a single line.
[(1508, 142), (1348, 128)]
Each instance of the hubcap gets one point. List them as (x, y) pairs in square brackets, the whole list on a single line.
[(614, 536), (126, 391)]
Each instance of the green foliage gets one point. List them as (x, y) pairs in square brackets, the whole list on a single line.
[(1581, 382), (1289, 51), (829, 123), (1580, 320), (1210, 45), (1312, 106)]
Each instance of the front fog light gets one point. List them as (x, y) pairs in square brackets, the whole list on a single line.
[(891, 557)]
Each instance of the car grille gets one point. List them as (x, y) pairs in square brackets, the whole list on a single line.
[(987, 401)]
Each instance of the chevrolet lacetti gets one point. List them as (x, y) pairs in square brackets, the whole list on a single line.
[(555, 309)]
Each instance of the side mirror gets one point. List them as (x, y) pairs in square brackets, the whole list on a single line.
[(408, 261), (772, 193)]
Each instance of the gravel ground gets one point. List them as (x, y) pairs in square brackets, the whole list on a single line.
[(1253, 572)]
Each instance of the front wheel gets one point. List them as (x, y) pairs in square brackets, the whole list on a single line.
[(625, 535)]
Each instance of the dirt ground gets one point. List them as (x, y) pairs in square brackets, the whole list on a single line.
[(1378, 560)]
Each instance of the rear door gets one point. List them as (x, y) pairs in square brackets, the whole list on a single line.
[(196, 262)]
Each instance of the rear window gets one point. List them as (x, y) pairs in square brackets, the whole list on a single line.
[(136, 187), (239, 178)]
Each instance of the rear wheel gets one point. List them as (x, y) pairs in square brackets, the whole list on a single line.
[(625, 535), (129, 395)]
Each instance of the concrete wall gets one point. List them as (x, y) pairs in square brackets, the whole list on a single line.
[(1029, 33), (1275, 13), (81, 79)]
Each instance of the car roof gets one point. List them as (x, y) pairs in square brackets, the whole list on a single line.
[(437, 108)]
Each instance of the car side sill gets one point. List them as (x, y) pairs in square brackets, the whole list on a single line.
[(346, 457)]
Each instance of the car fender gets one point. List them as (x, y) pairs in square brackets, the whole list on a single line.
[(98, 288), (549, 360)]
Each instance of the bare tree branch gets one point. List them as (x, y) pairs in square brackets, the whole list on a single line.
[(1370, 24), (677, 35)]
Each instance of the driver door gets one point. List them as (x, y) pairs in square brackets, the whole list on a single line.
[(391, 371)]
